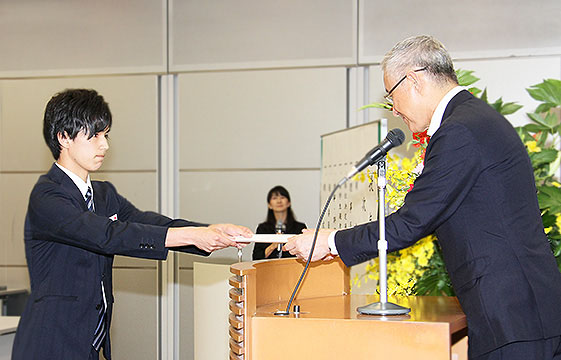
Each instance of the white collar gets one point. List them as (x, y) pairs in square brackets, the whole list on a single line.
[(439, 112), (81, 184)]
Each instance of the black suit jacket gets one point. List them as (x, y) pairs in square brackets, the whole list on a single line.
[(294, 227), (477, 192), (69, 251)]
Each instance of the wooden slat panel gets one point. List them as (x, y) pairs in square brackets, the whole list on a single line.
[(235, 281), (234, 356), (236, 307), (236, 335), (236, 294), (235, 321), (237, 348)]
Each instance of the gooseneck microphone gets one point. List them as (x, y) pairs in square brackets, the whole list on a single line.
[(394, 138), (280, 228)]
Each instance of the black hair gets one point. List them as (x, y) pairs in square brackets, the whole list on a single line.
[(71, 111), (279, 190)]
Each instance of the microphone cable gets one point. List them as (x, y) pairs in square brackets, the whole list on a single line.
[(287, 311)]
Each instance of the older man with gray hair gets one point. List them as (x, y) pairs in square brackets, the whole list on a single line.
[(477, 193)]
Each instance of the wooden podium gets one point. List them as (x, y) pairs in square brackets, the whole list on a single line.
[(328, 326)]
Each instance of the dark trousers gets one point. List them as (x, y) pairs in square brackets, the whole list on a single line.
[(545, 349), (94, 354)]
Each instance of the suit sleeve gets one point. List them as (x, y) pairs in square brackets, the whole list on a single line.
[(452, 166), (57, 216), (131, 214)]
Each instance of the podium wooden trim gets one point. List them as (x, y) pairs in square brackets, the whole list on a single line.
[(329, 325)]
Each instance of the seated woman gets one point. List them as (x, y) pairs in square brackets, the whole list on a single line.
[(280, 219)]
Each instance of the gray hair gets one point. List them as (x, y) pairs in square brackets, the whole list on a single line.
[(420, 52)]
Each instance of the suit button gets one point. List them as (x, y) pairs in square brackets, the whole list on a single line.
[(98, 306)]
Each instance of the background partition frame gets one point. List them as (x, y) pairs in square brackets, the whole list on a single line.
[(168, 190)]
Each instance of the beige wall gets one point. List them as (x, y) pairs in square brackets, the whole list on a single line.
[(255, 85)]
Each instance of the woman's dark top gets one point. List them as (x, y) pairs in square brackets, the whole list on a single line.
[(268, 228)]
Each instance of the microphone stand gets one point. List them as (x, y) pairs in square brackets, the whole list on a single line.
[(279, 247), (280, 230), (383, 307)]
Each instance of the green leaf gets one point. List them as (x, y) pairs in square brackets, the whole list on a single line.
[(505, 108), (549, 198), (497, 105), (543, 157), (386, 106), (548, 92), (543, 108), (474, 91), (484, 96), (554, 166), (535, 128), (466, 77), (510, 108), (550, 122)]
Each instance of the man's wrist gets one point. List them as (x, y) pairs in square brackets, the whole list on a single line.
[(331, 243)]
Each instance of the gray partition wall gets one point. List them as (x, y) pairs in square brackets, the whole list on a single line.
[(217, 101)]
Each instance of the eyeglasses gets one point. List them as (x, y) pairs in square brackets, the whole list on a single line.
[(388, 96)]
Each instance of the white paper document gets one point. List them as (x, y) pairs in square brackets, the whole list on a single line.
[(265, 238)]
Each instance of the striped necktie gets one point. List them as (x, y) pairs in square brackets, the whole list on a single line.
[(89, 200), (101, 328)]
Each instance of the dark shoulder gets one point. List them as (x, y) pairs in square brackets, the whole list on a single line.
[(297, 227), (265, 228)]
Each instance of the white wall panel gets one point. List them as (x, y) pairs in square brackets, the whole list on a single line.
[(223, 34), (133, 102), (258, 119), (240, 197), (134, 328), (65, 37), (14, 197), (469, 29), (17, 277), (211, 311)]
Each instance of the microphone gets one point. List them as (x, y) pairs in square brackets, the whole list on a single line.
[(394, 138), (280, 227)]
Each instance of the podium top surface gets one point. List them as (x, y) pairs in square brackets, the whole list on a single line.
[(424, 309)]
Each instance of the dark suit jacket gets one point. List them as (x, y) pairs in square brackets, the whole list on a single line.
[(477, 192), (268, 228), (69, 251)]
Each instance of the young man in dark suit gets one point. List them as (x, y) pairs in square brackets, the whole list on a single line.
[(477, 193), (74, 227)]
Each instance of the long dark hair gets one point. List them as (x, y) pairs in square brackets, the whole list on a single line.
[(279, 190)]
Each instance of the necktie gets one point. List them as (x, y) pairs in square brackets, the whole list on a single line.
[(89, 200), (101, 328)]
